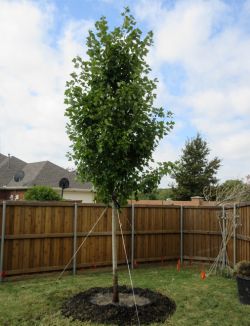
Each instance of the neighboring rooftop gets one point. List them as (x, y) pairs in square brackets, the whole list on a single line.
[(8, 167), (2, 158), (38, 173)]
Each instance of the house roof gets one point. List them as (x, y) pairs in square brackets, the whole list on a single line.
[(39, 173), (8, 167), (2, 158)]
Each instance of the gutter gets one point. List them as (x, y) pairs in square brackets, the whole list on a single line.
[(56, 188)]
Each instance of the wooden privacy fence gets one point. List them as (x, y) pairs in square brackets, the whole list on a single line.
[(42, 236)]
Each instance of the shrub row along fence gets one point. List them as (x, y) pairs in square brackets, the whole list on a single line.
[(41, 237)]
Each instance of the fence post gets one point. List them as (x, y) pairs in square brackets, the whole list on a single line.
[(133, 236), (181, 234), (74, 239), (234, 235), (223, 238), (2, 240)]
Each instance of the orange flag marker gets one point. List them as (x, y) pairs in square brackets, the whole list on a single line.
[(203, 275)]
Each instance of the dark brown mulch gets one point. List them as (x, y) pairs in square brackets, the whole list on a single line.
[(80, 307)]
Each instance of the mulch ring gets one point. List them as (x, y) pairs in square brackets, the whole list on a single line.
[(96, 305)]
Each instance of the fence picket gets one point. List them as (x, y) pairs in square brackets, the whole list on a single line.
[(45, 235)]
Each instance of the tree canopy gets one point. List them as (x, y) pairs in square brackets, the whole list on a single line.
[(114, 125), (193, 172)]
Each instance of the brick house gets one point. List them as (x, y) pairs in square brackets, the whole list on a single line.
[(16, 176)]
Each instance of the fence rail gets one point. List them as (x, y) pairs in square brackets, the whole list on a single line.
[(42, 236)]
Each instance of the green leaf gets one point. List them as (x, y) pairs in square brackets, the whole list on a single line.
[(112, 123)]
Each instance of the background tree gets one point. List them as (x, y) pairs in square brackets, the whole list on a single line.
[(42, 193), (194, 171), (113, 124), (231, 191), (157, 194)]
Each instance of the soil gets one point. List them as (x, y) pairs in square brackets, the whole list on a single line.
[(96, 305)]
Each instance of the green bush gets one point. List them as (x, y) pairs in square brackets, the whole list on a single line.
[(42, 193)]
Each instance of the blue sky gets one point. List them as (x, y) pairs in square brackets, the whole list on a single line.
[(200, 56)]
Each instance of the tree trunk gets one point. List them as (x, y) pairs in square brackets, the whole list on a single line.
[(114, 254)]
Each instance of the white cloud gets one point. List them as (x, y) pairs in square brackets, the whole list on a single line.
[(208, 40), (33, 70), (211, 42)]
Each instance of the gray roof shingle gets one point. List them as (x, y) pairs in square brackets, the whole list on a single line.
[(2, 158), (8, 168), (42, 174)]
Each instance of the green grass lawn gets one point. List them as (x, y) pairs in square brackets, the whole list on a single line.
[(212, 301)]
